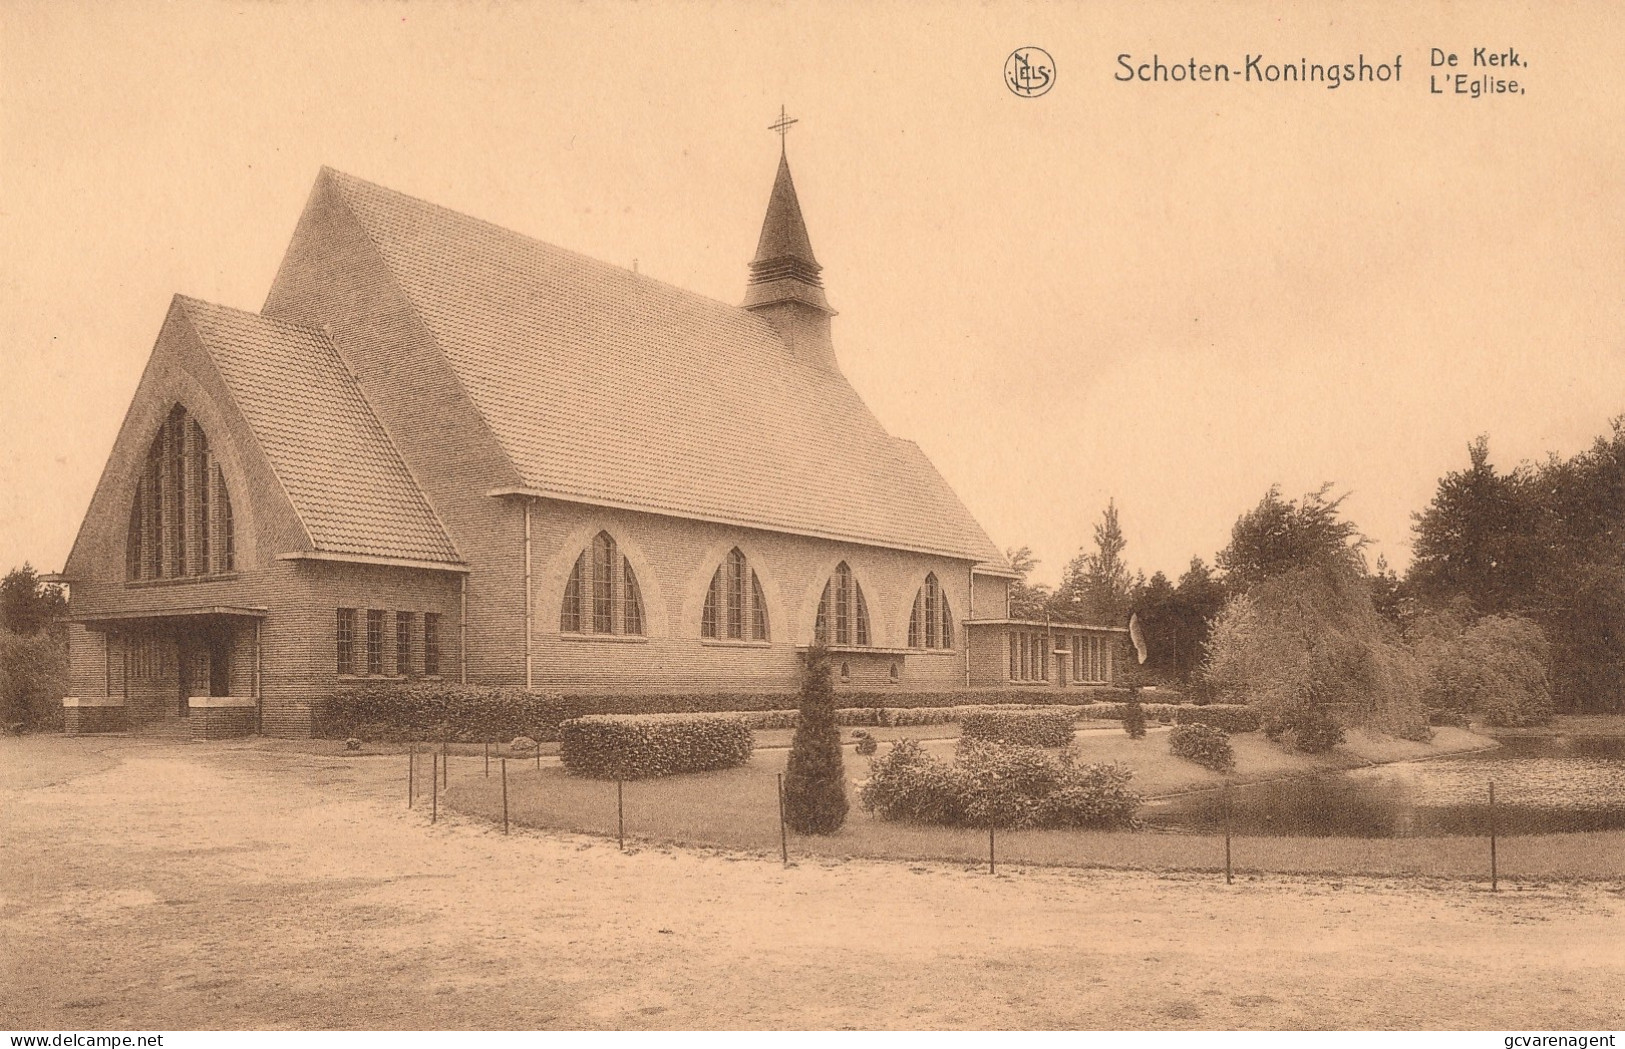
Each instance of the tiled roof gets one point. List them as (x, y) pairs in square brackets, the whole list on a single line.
[(345, 479), (606, 386)]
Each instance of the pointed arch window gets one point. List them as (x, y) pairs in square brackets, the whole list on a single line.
[(180, 521), (735, 608), (931, 624), (602, 596), (843, 615)]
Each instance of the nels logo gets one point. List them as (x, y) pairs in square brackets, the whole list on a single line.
[(1029, 71)]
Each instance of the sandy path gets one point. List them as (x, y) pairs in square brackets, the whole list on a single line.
[(232, 885)]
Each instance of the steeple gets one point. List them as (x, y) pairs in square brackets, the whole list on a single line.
[(784, 287), (784, 267)]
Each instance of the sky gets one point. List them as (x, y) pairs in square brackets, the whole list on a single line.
[(1170, 295)]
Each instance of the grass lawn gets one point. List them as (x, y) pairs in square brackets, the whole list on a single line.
[(738, 809)]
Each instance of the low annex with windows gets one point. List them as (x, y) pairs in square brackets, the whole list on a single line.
[(1079, 658), (376, 642), (602, 596)]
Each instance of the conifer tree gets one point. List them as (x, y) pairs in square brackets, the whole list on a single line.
[(815, 781)]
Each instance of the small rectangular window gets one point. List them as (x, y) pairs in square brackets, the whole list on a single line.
[(345, 636), (1015, 657), (431, 644), (403, 642), (375, 641)]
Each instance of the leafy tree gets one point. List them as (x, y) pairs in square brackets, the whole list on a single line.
[(1387, 592), (1495, 668), (1279, 536), (1545, 542), (1155, 605), (1200, 599), (27, 605), (1175, 620), (1098, 586), (814, 780), (1027, 600), (33, 679), (1473, 539), (1308, 650)]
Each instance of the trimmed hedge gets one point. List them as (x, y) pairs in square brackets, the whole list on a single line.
[(1230, 717), (395, 711), (639, 746), (1117, 711), (1209, 747), (1027, 728)]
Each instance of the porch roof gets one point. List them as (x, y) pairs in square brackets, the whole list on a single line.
[(94, 620), (1052, 624)]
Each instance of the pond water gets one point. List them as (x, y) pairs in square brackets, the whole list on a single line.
[(1543, 785)]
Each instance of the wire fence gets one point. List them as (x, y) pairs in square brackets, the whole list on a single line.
[(743, 809)]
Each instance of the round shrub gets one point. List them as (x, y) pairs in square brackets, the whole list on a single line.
[(997, 785), (866, 744), (638, 746), (1305, 726), (1203, 744), (910, 784), (1025, 728)]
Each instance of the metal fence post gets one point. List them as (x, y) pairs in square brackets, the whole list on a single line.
[(504, 795), (1227, 877), (620, 815), (488, 758), (991, 869), (784, 833), (434, 778), (1494, 880), (411, 758)]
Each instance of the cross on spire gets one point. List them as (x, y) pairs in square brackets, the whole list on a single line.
[(782, 126)]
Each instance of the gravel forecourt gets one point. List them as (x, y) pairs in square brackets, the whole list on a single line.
[(154, 885)]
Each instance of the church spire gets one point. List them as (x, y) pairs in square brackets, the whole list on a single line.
[(784, 267), (784, 286)]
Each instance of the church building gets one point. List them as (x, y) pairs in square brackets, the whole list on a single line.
[(446, 451)]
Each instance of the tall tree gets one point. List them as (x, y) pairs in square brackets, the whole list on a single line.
[(1198, 600), (1473, 539), (1098, 585), (1281, 535), (1546, 542), (27, 605), (1027, 600)]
